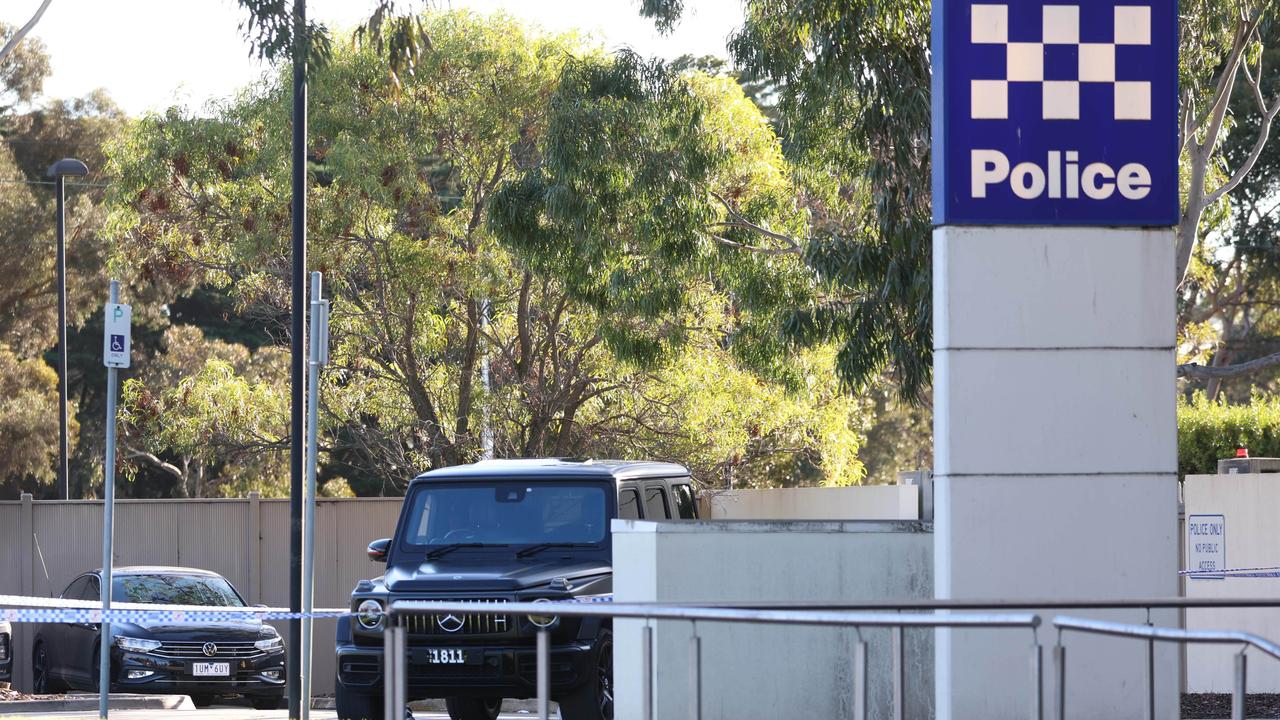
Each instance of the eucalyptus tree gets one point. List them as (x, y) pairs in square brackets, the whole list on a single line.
[(405, 169), (853, 81)]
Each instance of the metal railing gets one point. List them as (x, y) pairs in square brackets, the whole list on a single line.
[(1153, 635), (395, 677)]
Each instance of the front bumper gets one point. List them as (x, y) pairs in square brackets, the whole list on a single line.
[(493, 670), (248, 676)]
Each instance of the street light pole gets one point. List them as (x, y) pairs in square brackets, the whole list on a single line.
[(59, 171), (297, 396)]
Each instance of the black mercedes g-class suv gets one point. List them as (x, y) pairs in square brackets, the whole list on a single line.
[(502, 531)]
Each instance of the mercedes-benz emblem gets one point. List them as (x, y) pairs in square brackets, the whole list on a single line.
[(450, 623), (209, 649)]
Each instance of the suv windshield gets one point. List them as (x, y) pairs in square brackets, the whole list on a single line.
[(506, 514), (174, 590)]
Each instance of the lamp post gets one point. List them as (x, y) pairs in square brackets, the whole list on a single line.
[(59, 171)]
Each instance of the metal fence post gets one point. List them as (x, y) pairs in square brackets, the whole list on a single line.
[(390, 666), (646, 662), (1151, 673), (1037, 682), (544, 675), (1060, 681), (860, 679), (402, 675), (899, 670), (695, 675), (1238, 687)]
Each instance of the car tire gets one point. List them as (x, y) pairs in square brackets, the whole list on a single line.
[(353, 705), (473, 708), (267, 703), (42, 682), (594, 700)]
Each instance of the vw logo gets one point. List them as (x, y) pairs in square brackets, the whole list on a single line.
[(450, 623), (209, 649)]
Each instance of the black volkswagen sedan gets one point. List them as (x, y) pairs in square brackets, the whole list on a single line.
[(240, 657)]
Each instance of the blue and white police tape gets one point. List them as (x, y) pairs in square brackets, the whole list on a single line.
[(46, 610), (1250, 572)]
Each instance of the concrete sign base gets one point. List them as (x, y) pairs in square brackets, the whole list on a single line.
[(1055, 455)]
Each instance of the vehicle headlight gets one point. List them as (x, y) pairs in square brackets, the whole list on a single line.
[(271, 644), (136, 644), (370, 614), (544, 621)]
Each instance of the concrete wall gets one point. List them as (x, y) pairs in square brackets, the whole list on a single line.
[(1248, 505), (861, 502), (247, 540), (1055, 468), (757, 671)]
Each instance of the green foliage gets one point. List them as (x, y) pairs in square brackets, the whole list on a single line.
[(620, 358), (1209, 431), (649, 189), (23, 71), (218, 408), (28, 418)]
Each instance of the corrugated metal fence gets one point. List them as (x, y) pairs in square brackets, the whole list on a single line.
[(246, 540)]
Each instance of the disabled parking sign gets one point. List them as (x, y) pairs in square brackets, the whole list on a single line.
[(116, 335), (1055, 113)]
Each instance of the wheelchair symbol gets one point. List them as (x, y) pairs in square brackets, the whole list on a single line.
[(117, 343)]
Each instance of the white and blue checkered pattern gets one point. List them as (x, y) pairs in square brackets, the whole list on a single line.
[(1025, 61), (56, 610)]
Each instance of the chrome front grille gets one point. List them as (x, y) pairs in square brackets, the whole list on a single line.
[(446, 624), (194, 650)]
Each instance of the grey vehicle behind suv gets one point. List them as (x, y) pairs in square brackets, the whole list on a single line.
[(503, 531)]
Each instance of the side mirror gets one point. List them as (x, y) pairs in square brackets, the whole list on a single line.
[(378, 550)]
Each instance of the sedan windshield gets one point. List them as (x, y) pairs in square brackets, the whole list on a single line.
[(506, 514), (175, 590)]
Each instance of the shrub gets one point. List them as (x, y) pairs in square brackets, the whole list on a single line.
[(1208, 431)]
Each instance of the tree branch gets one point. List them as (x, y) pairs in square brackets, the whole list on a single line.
[(22, 31), (1198, 371), (740, 221)]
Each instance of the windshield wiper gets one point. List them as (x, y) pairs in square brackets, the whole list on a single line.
[(535, 549), (446, 549)]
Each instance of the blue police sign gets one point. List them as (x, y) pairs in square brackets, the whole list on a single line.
[(1055, 113)]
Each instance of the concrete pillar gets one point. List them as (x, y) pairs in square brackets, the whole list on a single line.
[(1055, 454)]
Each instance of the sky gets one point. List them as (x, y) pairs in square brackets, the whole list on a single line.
[(150, 54)]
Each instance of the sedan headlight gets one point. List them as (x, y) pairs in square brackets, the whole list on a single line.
[(271, 644), (370, 614), (544, 621), (136, 644)]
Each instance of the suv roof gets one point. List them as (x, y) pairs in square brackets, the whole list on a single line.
[(555, 468)]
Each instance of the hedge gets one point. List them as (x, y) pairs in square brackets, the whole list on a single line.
[(1208, 431)]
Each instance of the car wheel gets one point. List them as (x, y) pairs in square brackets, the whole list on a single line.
[(352, 705), (594, 700), (267, 703), (42, 683), (473, 708)]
